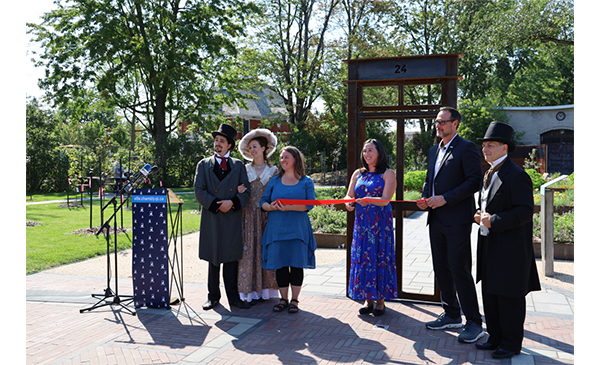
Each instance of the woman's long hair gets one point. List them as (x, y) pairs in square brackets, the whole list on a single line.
[(382, 161), (299, 162)]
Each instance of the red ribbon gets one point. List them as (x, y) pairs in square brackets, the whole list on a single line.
[(337, 201)]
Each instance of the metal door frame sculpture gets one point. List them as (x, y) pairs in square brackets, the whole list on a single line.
[(397, 72)]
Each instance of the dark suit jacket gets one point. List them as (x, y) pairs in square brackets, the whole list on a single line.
[(458, 179), (505, 258)]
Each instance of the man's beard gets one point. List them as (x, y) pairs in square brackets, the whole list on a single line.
[(442, 134)]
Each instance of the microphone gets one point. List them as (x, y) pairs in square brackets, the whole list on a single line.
[(144, 171), (153, 170)]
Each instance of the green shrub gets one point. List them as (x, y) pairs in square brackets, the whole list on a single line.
[(325, 219), (564, 227), (414, 180), (536, 178), (330, 193), (412, 195)]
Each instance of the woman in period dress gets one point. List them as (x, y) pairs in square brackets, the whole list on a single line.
[(288, 241), (255, 283), (373, 259)]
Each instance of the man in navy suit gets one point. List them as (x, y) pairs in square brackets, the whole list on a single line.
[(454, 175)]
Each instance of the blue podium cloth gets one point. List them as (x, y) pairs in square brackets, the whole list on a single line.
[(150, 248)]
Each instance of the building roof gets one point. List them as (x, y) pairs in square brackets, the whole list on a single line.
[(261, 104), (539, 108)]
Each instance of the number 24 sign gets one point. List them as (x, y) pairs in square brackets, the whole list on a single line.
[(400, 69)]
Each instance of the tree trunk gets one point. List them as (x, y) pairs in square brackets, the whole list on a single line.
[(160, 134)]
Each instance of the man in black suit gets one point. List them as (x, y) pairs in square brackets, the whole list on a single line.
[(505, 260), (453, 177)]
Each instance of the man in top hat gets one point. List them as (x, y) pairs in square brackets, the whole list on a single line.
[(215, 187), (505, 261)]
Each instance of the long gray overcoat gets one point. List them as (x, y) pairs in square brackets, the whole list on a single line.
[(220, 233)]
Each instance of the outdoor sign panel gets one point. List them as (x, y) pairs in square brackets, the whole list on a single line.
[(150, 248)]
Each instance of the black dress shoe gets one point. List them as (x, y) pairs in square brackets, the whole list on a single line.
[(486, 346), (210, 304), (242, 304), (504, 354)]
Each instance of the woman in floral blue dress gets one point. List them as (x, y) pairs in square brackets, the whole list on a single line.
[(373, 258)]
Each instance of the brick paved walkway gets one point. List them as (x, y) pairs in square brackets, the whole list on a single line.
[(327, 330)]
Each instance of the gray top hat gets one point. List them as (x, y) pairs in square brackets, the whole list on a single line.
[(226, 131), (500, 132)]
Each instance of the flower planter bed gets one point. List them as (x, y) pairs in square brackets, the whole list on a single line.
[(562, 251), (329, 240), (557, 209)]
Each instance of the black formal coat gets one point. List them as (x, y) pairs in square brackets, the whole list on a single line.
[(458, 179), (505, 259)]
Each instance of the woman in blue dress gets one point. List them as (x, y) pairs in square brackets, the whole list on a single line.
[(373, 258), (288, 241)]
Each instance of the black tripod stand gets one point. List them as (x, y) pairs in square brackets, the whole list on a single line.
[(111, 297)]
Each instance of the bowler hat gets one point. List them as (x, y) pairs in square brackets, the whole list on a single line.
[(226, 131), (500, 132)]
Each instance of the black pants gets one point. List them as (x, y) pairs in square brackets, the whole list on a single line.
[(504, 320), (289, 275), (230, 274), (452, 263)]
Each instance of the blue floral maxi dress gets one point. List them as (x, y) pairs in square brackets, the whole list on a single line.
[(373, 258)]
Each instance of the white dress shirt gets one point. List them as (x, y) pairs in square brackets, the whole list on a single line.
[(438, 161), (484, 196)]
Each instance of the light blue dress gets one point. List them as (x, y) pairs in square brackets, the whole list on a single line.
[(288, 238)]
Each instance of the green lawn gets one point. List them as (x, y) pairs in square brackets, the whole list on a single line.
[(76, 197), (51, 243)]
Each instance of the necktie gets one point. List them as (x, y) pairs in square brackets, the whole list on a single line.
[(487, 178), (223, 163)]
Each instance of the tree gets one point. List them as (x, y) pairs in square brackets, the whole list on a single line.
[(287, 51), (76, 117), (477, 116), (547, 78), (509, 24), (518, 51), (46, 166), (162, 61)]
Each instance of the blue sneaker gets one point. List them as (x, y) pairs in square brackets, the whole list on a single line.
[(443, 322), (471, 333)]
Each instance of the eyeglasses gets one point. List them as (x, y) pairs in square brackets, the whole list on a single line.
[(442, 122)]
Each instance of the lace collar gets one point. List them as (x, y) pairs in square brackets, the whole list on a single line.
[(265, 176)]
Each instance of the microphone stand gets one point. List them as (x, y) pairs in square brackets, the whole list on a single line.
[(110, 297)]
